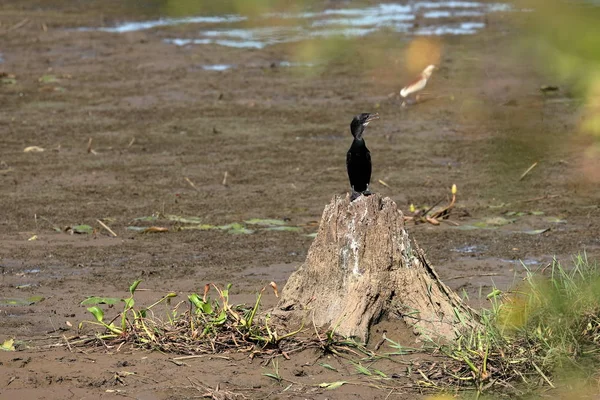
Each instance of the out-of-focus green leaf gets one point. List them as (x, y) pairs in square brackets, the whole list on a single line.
[(332, 385), (265, 222), (284, 228), (82, 229), (184, 220), (93, 300), (200, 227), (48, 79), (236, 228), (328, 366), (8, 345), (20, 302), (536, 231)]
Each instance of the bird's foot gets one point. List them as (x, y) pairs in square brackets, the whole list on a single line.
[(367, 192), (354, 195)]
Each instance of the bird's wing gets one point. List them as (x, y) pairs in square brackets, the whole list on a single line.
[(348, 165), (369, 166), (416, 85)]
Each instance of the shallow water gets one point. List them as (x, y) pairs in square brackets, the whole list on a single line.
[(282, 64), (415, 18), (217, 67)]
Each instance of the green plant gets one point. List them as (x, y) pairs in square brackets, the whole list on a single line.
[(548, 326), (206, 325), (130, 317)]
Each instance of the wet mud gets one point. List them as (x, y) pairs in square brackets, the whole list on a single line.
[(134, 125)]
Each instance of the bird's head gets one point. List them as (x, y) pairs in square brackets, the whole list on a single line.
[(429, 70), (360, 121)]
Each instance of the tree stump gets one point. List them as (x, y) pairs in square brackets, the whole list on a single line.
[(361, 266)]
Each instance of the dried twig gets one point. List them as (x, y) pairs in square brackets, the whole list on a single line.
[(18, 25), (107, 228), (188, 180), (225, 178), (67, 342), (89, 147), (383, 183), (528, 170)]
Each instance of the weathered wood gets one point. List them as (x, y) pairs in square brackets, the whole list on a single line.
[(362, 265)]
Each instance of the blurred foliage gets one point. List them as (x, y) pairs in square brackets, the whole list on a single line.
[(566, 38), (421, 52)]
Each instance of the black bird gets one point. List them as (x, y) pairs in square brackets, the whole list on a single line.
[(358, 159)]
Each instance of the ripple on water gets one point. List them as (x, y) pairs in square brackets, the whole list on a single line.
[(283, 64), (217, 67), (526, 261), (470, 249), (144, 25), (347, 22)]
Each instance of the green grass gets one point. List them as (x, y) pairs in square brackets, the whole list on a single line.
[(545, 331)]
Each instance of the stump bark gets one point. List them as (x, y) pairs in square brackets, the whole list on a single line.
[(363, 265)]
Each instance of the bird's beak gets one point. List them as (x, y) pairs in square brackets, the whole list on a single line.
[(372, 117)]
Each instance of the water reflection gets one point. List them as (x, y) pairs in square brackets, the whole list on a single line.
[(143, 25), (464, 28), (283, 64), (418, 18), (217, 67)]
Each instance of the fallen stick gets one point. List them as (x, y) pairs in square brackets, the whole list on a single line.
[(528, 170), (384, 184), (225, 178), (188, 180), (18, 25), (107, 228)]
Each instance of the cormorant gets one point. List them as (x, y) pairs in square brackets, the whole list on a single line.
[(358, 158), (418, 84)]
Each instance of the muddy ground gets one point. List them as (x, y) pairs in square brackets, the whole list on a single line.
[(164, 134)]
